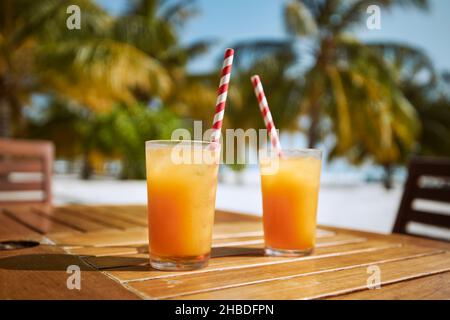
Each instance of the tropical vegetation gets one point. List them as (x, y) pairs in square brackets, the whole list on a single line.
[(121, 80)]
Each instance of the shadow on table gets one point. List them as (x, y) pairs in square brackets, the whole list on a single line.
[(51, 262), (60, 262), (236, 251)]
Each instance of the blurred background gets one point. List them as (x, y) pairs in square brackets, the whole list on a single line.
[(370, 91)]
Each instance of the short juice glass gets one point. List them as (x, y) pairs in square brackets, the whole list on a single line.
[(290, 189), (181, 188)]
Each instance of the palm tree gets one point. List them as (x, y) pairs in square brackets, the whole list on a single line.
[(271, 60), (130, 59), (350, 90), (429, 92), (38, 54), (117, 134), (433, 106), (152, 26)]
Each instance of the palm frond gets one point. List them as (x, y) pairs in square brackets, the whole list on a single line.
[(298, 19), (411, 62), (108, 70), (154, 37), (342, 121), (179, 12), (248, 52)]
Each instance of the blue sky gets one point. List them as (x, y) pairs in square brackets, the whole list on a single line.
[(233, 20)]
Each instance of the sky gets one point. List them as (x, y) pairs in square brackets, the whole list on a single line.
[(227, 22)]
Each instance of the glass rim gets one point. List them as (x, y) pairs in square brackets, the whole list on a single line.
[(294, 152), (168, 143)]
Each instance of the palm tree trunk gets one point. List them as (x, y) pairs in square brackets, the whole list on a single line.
[(388, 179), (5, 118), (323, 59), (86, 170), (314, 113), (313, 131)]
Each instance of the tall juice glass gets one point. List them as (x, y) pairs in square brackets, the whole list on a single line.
[(181, 188), (290, 189)]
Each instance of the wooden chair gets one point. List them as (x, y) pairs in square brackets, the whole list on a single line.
[(428, 179), (25, 156)]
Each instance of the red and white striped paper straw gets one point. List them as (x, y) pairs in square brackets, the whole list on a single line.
[(265, 111), (222, 95)]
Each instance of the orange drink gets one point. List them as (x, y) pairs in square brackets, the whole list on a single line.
[(181, 188), (290, 189)]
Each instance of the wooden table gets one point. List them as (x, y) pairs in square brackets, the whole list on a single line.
[(109, 244)]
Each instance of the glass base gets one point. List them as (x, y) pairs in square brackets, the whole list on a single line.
[(179, 263), (287, 253)]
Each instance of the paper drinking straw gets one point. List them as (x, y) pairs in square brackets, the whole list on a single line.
[(265, 111), (222, 94)]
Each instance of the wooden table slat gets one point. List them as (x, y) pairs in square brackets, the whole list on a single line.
[(110, 244), (41, 273), (332, 283), (134, 214), (434, 287), (32, 220), (106, 251), (77, 220), (135, 267), (104, 238), (240, 278), (231, 248), (108, 218), (11, 229)]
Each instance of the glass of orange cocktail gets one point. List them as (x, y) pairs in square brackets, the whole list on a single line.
[(290, 190), (181, 188)]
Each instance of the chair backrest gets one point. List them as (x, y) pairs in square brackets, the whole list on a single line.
[(428, 179), (25, 171)]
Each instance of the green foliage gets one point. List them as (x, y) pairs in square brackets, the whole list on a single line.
[(90, 66), (432, 101), (118, 134), (60, 122), (271, 60), (127, 59), (131, 127), (344, 88), (427, 90), (354, 86), (100, 79)]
